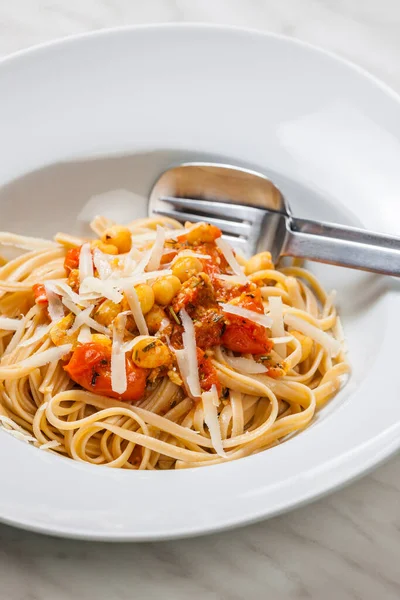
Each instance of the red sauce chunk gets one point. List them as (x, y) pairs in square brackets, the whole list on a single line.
[(39, 292), (207, 373), (245, 336), (90, 367), (71, 260)]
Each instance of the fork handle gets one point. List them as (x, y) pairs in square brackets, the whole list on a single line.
[(342, 245)]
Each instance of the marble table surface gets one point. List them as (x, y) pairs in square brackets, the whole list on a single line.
[(345, 546)]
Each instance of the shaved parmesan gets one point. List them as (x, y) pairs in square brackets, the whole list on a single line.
[(64, 287), (85, 263), (102, 264), (322, 338), (189, 345), (107, 288), (84, 336), (277, 328), (210, 402), (157, 250), (80, 320), (88, 320), (134, 305), (119, 382), (245, 365), (7, 324), (56, 309), (142, 264), (250, 315), (230, 259), (128, 266), (39, 334), (134, 253)]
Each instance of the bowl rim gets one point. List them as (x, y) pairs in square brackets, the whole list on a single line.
[(335, 483)]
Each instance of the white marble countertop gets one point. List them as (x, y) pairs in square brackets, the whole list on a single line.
[(343, 547)]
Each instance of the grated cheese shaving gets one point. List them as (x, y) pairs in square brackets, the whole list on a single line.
[(85, 263), (101, 262), (190, 354), (157, 250), (119, 381), (322, 338), (210, 402), (88, 320), (134, 305), (246, 365), (231, 260), (84, 336), (56, 309), (251, 315), (107, 288), (80, 320)]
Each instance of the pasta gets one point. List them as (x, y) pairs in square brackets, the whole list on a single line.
[(154, 346)]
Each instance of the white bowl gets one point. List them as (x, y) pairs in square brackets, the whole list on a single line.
[(112, 110)]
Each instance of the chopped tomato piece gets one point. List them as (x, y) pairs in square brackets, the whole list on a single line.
[(39, 292), (209, 326), (90, 367), (71, 260), (168, 256), (207, 373), (243, 335)]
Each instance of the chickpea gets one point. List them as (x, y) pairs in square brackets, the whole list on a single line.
[(165, 289), (203, 232), (154, 318), (186, 267), (151, 353), (58, 333), (258, 262), (106, 248), (119, 236), (106, 312), (99, 338), (145, 296), (306, 344)]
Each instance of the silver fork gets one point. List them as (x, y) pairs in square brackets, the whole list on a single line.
[(193, 192)]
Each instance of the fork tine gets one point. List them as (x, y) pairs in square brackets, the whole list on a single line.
[(234, 211), (232, 227)]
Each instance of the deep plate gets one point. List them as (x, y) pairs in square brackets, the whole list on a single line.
[(327, 134)]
